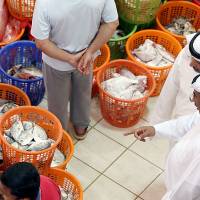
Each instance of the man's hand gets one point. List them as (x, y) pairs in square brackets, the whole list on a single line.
[(75, 58), (143, 132), (85, 63)]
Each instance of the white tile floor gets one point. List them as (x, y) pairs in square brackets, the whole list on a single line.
[(111, 166)]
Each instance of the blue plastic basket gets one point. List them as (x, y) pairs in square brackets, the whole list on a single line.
[(27, 54)]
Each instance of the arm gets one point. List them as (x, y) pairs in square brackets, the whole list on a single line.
[(173, 129), (50, 49), (176, 128), (106, 31), (41, 28)]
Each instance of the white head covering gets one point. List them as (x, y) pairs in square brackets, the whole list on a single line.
[(194, 46), (196, 83)]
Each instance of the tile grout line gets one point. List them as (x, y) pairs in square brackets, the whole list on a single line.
[(150, 183), (113, 139), (147, 160)]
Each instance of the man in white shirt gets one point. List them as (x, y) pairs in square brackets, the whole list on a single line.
[(182, 171), (69, 32), (173, 101)]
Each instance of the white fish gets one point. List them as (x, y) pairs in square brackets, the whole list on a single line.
[(25, 137), (39, 133), (155, 61), (118, 84), (27, 125), (66, 195), (38, 146), (137, 95), (16, 129), (125, 72), (57, 158), (146, 51), (164, 53), (9, 139)]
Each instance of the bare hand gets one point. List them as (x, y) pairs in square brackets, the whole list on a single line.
[(143, 132), (75, 58), (85, 63)]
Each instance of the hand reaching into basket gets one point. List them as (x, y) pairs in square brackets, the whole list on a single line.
[(85, 63), (143, 132)]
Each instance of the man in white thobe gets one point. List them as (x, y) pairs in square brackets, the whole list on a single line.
[(173, 101), (182, 170)]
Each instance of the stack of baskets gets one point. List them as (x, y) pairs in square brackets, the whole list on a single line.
[(118, 112), (25, 53), (175, 9), (170, 43), (41, 159)]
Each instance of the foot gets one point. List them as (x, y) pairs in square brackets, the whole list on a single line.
[(80, 133)]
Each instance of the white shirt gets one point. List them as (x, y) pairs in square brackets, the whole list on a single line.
[(182, 173), (174, 100), (70, 24)]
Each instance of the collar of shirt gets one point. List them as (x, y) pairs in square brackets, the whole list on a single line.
[(39, 195)]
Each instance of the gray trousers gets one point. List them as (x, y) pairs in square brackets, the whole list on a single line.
[(65, 86)]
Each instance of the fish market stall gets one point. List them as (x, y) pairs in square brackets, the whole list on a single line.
[(156, 50), (123, 99), (178, 19), (20, 65), (70, 187), (29, 134)]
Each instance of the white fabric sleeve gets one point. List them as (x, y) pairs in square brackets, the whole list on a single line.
[(109, 13), (177, 128), (189, 185), (40, 23), (167, 98)]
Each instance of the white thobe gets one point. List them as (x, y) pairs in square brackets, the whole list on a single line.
[(182, 171), (174, 100)]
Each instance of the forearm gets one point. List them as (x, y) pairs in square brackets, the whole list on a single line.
[(50, 49), (106, 31)]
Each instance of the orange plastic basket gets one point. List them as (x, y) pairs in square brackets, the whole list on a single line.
[(12, 93), (21, 9), (170, 43), (45, 119), (98, 64), (67, 181), (174, 9), (118, 112), (66, 146), (13, 39)]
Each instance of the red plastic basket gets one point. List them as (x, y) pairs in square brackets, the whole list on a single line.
[(170, 43), (196, 2), (67, 181), (21, 9), (118, 112), (12, 93), (174, 9), (45, 119), (18, 37)]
